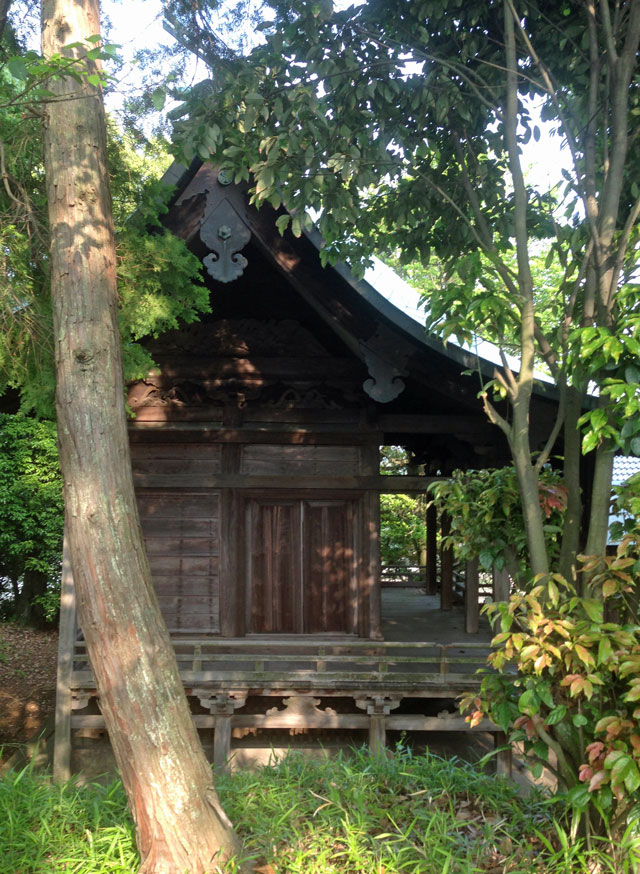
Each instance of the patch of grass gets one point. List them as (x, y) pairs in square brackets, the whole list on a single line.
[(364, 815), (47, 828), (399, 814)]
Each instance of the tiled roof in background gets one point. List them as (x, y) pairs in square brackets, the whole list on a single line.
[(624, 466)]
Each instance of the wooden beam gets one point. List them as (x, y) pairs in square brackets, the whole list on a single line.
[(276, 434), (382, 484), (66, 639), (358, 721), (437, 424)]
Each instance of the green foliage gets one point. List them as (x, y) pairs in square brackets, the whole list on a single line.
[(347, 815), (573, 702), (485, 312), (486, 515), (627, 507), (402, 529), (31, 510), (391, 122), (158, 278)]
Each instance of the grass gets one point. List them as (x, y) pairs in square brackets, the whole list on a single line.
[(401, 814)]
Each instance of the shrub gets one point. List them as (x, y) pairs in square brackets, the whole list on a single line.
[(565, 682)]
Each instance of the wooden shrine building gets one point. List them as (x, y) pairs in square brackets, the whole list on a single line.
[(255, 450)]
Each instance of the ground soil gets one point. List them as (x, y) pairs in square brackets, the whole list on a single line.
[(28, 661)]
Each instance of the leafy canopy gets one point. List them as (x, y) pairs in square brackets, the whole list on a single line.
[(400, 126), (159, 279)]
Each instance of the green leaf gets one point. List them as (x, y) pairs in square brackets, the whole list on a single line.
[(282, 222), (158, 98), (486, 560), (593, 608), (579, 796), (94, 79), (633, 694), (528, 702), (557, 715), (579, 719), (590, 441), (584, 655), (632, 373), (18, 68), (632, 777)]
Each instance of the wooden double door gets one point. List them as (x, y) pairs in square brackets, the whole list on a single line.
[(301, 565)]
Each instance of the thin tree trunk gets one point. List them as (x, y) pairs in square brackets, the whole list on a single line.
[(600, 501), (573, 514), (28, 610), (180, 824), (520, 391), (5, 5)]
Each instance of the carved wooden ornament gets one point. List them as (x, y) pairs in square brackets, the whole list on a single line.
[(386, 366), (224, 232)]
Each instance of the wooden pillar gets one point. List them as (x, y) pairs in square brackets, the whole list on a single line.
[(370, 588), (66, 641), (222, 741), (501, 585), (378, 708), (222, 706), (432, 549), (446, 567), (377, 734), (370, 613), (504, 759), (471, 607)]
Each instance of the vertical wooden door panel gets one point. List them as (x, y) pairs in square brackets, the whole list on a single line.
[(329, 567), (273, 567)]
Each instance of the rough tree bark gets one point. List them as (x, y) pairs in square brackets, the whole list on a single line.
[(180, 824)]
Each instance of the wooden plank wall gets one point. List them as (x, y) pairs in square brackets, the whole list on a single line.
[(293, 560), (182, 533)]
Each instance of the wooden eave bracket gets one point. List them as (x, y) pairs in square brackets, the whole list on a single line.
[(386, 366)]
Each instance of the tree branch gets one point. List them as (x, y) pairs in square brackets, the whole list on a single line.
[(525, 280), (608, 31), (494, 416), (549, 355), (557, 425), (552, 91), (623, 242)]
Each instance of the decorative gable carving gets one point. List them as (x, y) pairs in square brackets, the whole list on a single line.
[(225, 234), (222, 229)]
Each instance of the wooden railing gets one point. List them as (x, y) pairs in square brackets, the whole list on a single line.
[(223, 673), (292, 663)]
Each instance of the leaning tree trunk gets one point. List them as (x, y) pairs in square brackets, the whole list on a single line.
[(180, 824)]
